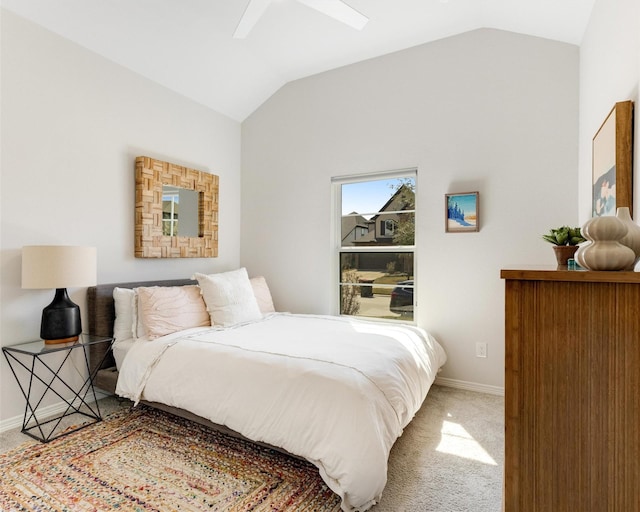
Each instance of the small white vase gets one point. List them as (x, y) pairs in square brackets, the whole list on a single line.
[(604, 252), (632, 238)]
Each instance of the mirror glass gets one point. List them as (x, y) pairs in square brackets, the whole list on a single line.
[(179, 211)]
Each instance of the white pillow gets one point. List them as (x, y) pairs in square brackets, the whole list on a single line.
[(167, 309), (229, 297), (139, 329), (263, 294), (125, 323)]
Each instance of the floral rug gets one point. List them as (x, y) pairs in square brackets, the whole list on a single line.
[(147, 460)]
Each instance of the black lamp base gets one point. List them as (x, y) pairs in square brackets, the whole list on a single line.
[(61, 319)]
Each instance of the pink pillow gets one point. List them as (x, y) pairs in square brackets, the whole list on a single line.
[(262, 294), (168, 309)]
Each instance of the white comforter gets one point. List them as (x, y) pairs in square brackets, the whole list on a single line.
[(333, 390)]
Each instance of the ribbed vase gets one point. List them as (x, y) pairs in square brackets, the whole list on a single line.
[(632, 238), (605, 252)]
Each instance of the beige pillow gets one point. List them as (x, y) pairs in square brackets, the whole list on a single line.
[(229, 297), (262, 294), (167, 309), (125, 304)]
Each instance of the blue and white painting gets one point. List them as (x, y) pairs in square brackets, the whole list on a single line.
[(462, 212), (604, 194)]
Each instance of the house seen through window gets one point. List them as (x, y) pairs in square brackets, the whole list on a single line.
[(376, 245)]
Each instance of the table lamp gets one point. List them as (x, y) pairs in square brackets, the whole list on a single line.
[(59, 267)]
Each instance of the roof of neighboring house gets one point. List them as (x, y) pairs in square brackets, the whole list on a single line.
[(393, 199), (351, 221)]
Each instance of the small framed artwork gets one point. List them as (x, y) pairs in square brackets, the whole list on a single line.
[(613, 161), (462, 213)]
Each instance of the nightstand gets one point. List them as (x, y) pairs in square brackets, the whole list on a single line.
[(37, 368)]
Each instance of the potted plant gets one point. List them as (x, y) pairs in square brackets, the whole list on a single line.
[(565, 242)]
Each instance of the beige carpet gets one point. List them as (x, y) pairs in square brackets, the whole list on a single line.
[(449, 459)]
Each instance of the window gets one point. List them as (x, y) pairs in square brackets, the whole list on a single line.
[(375, 244), (388, 227)]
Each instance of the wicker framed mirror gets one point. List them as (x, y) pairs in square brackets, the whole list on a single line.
[(157, 228)]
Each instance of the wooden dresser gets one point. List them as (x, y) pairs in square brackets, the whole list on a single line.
[(572, 391)]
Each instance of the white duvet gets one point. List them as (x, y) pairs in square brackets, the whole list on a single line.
[(333, 390)]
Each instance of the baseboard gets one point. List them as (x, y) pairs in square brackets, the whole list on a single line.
[(469, 386), (59, 408), (43, 412)]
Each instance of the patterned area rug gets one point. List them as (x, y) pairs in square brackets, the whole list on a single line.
[(147, 460)]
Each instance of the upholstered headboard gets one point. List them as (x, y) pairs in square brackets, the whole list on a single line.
[(102, 314)]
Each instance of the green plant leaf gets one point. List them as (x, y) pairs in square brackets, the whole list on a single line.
[(564, 235)]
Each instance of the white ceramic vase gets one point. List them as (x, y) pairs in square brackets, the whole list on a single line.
[(632, 238), (605, 252)]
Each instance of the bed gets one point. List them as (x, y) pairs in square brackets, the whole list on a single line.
[(335, 391)]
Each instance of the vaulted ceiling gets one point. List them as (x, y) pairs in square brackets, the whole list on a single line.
[(188, 45)]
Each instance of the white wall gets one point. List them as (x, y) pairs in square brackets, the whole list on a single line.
[(72, 125), (609, 72), (487, 110)]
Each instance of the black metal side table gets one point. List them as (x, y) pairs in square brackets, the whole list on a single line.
[(42, 368)]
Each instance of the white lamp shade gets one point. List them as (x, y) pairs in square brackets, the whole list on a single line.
[(58, 266)]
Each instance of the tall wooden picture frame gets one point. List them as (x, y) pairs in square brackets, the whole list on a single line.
[(612, 161)]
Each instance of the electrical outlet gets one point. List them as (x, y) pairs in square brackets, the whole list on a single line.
[(481, 349)]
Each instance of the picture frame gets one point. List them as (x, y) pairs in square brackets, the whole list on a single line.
[(462, 212), (612, 162), (152, 176)]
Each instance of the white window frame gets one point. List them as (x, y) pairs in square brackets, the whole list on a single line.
[(336, 234)]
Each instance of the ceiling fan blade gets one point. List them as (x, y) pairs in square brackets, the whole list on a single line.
[(251, 15), (338, 10)]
